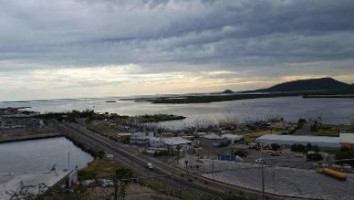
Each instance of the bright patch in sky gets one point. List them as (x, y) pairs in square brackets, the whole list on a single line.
[(93, 48)]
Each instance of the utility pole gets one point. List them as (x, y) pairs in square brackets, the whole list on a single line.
[(115, 182), (262, 179), (69, 161)]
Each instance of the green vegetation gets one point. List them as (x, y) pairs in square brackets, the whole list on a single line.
[(240, 152), (231, 97), (70, 116), (303, 149), (101, 154), (120, 183), (305, 88), (351, 128), (99, 168), (275, 147), (157, 118), (217, 98), (324, 130), (314, 157), (90, 115), (345, 153), (298, 148), (320, 84), (301, 122)]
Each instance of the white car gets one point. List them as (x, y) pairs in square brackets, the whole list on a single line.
[(149, 165)]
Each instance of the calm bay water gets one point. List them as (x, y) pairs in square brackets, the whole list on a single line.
[(38, 156), (41, 155), (334, 111)]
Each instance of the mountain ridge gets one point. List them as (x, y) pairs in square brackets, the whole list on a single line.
[(319, 84)]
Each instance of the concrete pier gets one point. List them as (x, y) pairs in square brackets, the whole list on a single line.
[(10, 184)]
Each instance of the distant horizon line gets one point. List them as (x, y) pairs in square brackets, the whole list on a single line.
[(156, 94)]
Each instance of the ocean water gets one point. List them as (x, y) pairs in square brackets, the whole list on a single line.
[(333, 111), (39, 156)]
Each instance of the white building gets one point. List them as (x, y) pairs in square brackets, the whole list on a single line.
[(173, 142), (347, 140), (288, 140), (141, 138), (212, 136), (146, 139), (233, 138), (156, 142)]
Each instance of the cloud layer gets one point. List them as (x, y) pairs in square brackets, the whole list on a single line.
[(199, 39)]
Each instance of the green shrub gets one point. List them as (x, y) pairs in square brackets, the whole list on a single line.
[(345, 154), (87, 174), (314, 157), (298, 148), (275, 147)]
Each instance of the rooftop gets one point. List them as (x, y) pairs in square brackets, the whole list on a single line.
[(346, 138), (175, 141), (323, 141)]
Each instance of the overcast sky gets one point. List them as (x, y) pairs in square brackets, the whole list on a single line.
[(92, 48)]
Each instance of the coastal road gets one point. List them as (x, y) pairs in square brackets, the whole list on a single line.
[(178, 177)]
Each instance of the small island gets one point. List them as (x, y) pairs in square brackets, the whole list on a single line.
[(309, 88)]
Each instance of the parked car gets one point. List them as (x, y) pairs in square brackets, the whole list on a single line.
[(149, 165)]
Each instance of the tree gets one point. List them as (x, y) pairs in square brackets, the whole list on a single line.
[(343, 155), (351, 125), (101, 154), (315, 148), (178, 148), (186, 163), (298, 148), (275, 147), (314, 157), (121, 183), (308, 147)]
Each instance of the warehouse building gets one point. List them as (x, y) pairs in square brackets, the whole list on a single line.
[(288, 140), (173, 142)]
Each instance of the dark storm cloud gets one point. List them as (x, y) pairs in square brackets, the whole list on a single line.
[(166, 35)]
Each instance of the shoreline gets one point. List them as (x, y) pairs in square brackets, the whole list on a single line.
[(328, 96), (31, 137)]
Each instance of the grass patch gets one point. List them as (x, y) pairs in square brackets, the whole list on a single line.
[(99, 168), (325, 131)]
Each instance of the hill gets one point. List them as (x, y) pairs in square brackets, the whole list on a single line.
[(309, 88), (321, 84)]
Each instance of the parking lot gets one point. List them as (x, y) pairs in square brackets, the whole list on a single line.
[(279, 180)]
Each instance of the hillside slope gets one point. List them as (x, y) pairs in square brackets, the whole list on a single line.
[(322, 84)]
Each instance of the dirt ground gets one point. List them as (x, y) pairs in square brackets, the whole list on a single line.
[(134, 192)]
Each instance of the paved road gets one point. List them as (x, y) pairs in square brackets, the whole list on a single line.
[(191, 182), (305, 130)]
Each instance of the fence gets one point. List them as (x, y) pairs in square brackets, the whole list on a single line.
[(288, 180)]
